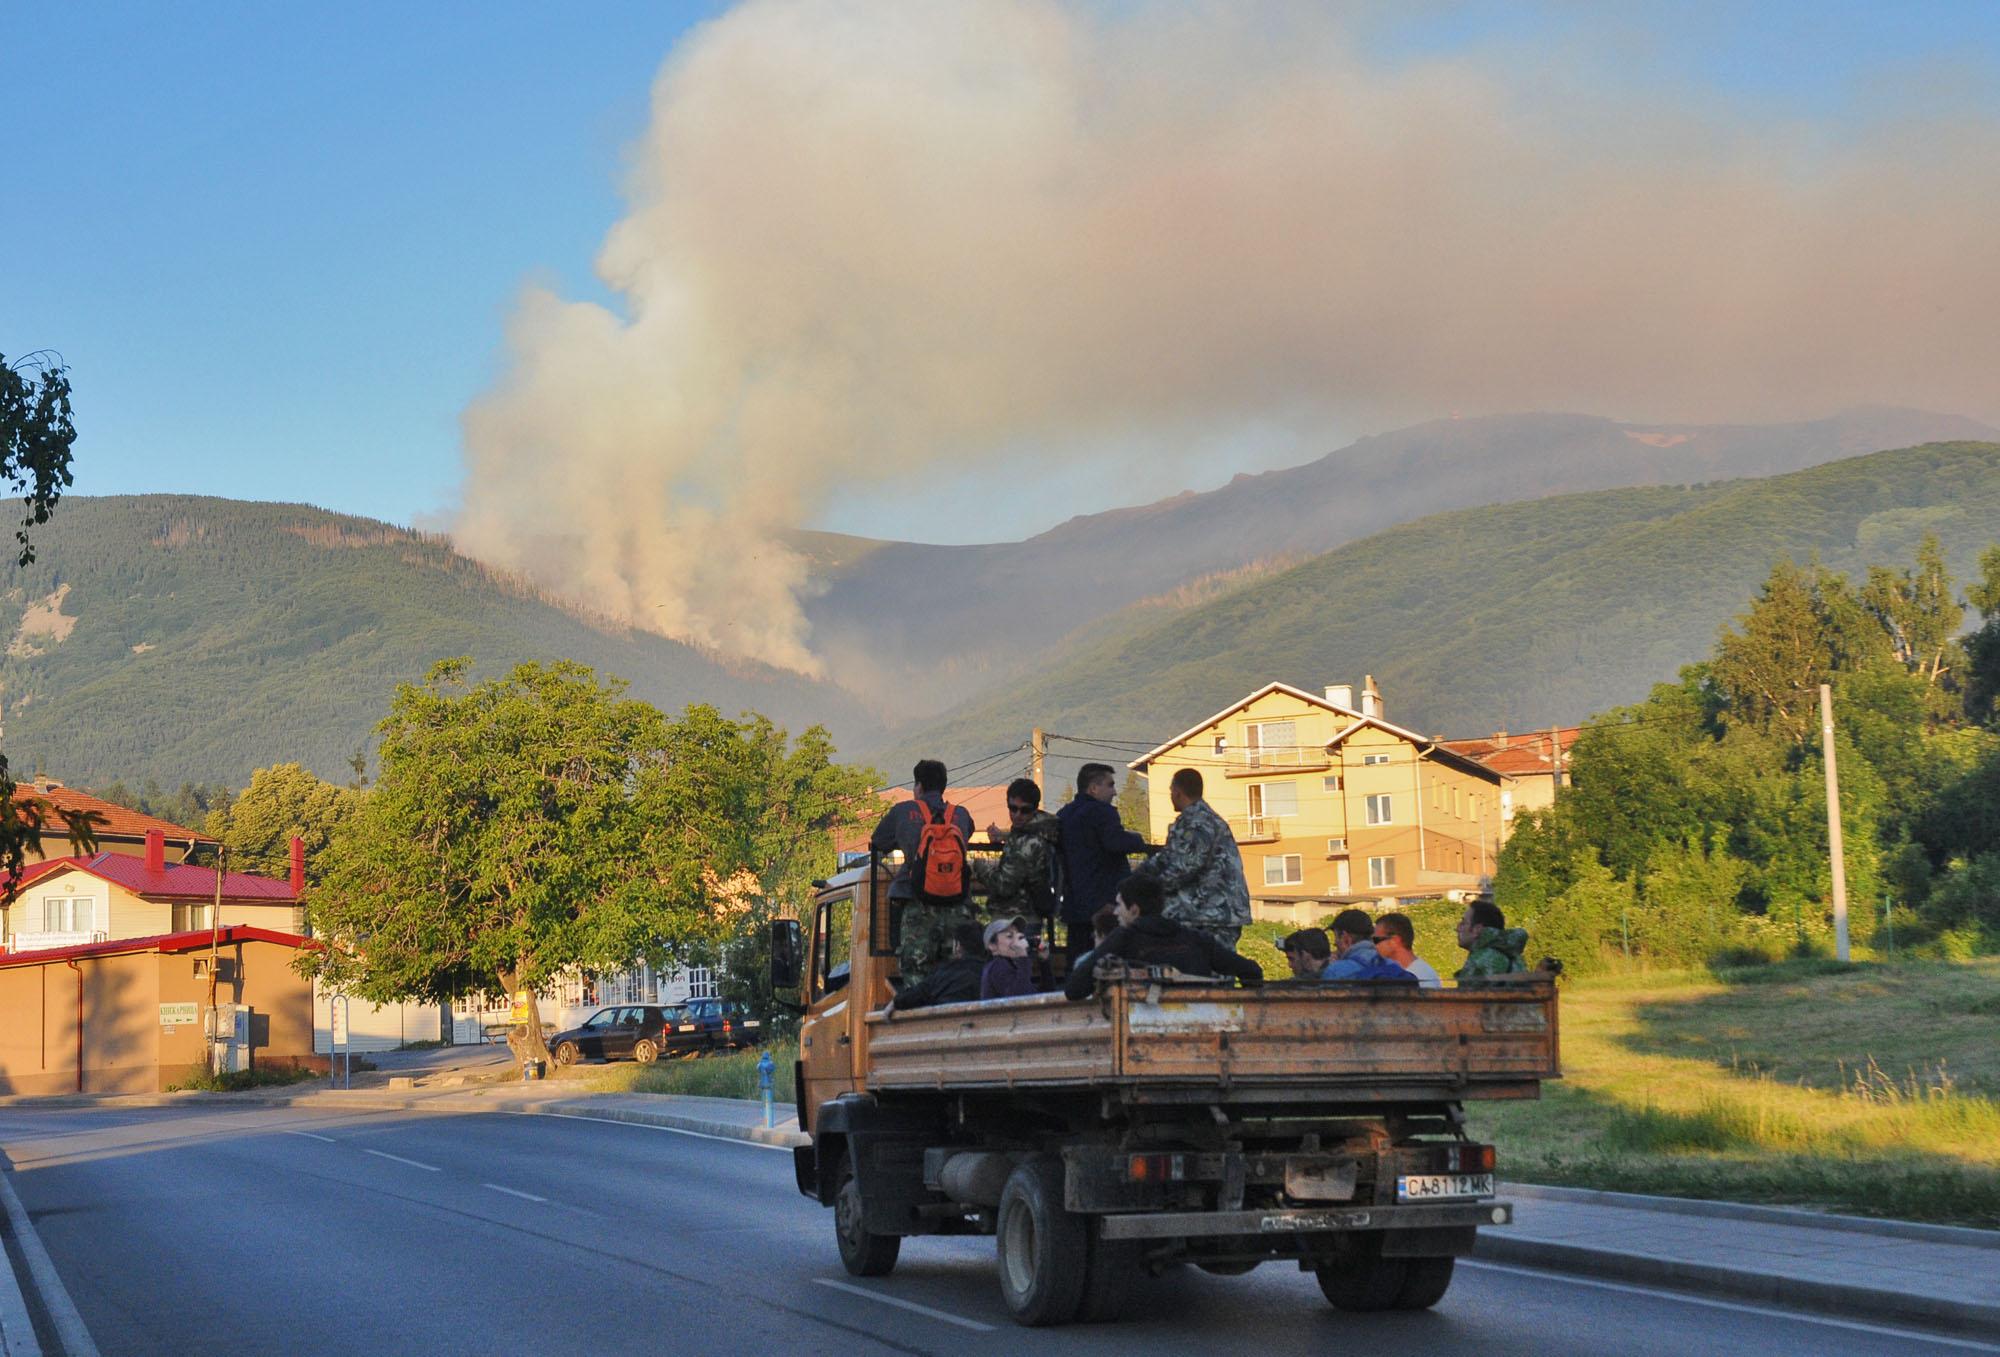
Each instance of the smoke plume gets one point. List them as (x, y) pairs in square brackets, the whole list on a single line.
[(864, 240)]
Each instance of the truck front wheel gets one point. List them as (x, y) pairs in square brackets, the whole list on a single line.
[(861, 1253), (1043, 1247)]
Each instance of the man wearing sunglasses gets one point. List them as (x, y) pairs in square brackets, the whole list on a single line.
[(1395, 937), (1022, 880)]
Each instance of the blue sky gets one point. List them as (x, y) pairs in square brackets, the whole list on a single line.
[(277, 244)]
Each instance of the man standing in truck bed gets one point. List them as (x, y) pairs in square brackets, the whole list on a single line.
[(1201, 867), (926, 929), (1094, 848)]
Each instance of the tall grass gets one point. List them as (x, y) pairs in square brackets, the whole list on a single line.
[(706, 1076)]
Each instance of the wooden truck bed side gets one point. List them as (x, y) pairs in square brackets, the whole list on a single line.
[(1366, 1041)]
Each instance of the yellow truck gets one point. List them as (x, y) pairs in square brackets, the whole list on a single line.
[(1165, 1120)]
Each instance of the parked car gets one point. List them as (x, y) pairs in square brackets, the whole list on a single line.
[(724, 1024), (642, 1032)]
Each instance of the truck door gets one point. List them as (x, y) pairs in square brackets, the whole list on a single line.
[(825, 1048)]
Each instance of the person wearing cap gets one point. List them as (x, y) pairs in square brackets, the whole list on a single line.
[(1355, 957), (1009, 973), (956, 981), (1146, 937)]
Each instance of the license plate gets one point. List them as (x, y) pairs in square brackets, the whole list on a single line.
[(1431, 1187), (753, 1023)]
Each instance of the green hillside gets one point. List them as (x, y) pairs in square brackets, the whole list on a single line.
[(1514, 616), (201, 638)]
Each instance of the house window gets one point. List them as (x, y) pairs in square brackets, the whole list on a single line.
[(1270, 742), (1336, 845), (69, 914), (1287, 869), (1273, 799), (1378, 810), (701, 983), (1381, 872), (1332, 784), (1373, 759), (190, 918)]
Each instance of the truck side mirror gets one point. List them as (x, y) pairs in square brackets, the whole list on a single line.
[(787, 958)]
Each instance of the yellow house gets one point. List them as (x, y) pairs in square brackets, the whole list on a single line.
[(1332, 804), (111, 897)]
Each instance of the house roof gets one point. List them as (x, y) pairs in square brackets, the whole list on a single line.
[(1427, 748), (1523, 755), (114, 821), (175, 881), (1139, 764), (163, 942)]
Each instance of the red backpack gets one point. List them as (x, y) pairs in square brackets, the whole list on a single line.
[(938, 871)]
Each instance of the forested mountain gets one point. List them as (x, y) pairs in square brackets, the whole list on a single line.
[(181, 638), (881, 622), (1517, 615)]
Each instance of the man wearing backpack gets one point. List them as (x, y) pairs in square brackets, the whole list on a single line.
[(931, 834)]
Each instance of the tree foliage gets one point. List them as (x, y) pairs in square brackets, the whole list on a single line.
[(540, 823), (281, 802)]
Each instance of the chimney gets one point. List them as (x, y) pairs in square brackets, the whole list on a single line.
[(1341, 695), (1371, 698), (156, 850), (1500, 739), (298, 866)]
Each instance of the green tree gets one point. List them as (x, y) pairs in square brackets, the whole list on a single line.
[(281, 802), (1982, 646), (1803, 626), (519, 829), (1917, 611), (36, 434), (1135, 808)]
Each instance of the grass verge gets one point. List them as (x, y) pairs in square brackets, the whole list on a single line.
[(733, 1075), (1868, 1089), (237, 1081)]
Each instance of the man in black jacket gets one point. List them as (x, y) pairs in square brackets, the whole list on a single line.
[(954, 982), (1094, 848), (1145, 937)]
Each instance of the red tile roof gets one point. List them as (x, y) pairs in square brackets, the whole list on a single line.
[(1522, 755), (163, 942), (115, 820), (176, 881)]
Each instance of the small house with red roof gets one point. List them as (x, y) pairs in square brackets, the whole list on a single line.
[(108, 896), (1533, 766), (117, 829)]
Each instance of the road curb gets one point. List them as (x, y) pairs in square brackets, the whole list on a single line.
[(759, 1135), (1849, 1301), (71, 1332), (1960, 1235), (563, 1107)]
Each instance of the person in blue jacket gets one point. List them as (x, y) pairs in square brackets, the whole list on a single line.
[(1095, 849)]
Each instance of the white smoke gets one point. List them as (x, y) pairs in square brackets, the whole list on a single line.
[(868, 239)]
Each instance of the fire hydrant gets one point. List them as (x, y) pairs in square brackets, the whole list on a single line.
[(766, 1069)]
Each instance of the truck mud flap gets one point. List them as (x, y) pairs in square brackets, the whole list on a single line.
[(805, 1169), (1305, 1220)]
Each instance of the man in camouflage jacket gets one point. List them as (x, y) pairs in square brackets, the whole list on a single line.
[(1491, 948), (1201, 867), (1021, 881)]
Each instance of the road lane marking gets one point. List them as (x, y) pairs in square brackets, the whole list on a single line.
[(70, 1329), (515, 1192), (901, 1304), (670, 1130), (310, 1136), (1771, 1312), (384, 1154)]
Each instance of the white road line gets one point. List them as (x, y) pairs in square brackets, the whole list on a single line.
[(670, 1130), (310, 1136), (384, 1154), (515, 1192), (70, 1329), (1856, 1325), (900, 1304)]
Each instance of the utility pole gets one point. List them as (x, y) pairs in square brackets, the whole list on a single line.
[(1555, 762), (1833, 844), (1038, 749), (214, 950)]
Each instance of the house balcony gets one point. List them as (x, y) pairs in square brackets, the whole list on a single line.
[(45, 942), (1255, 828), (1290, 758)]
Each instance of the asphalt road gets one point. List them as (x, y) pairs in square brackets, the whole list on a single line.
[(290, 1231)]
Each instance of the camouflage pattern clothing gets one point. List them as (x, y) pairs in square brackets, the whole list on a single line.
[(1021, 880), (1202, 872), (1495, 951), (927, 930)]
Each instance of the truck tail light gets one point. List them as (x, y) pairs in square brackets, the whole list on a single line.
[(1156, 1168), (1468, 1159)]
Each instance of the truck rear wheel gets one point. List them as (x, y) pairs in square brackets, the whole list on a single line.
[(1043, 1247), (1365, 1281), (861, 1253)]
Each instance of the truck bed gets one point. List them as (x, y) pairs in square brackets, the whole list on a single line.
[(1149, 1040)]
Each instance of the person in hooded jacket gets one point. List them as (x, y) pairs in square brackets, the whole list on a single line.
[(1491, 948), (1146, 937), (954, 982)]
